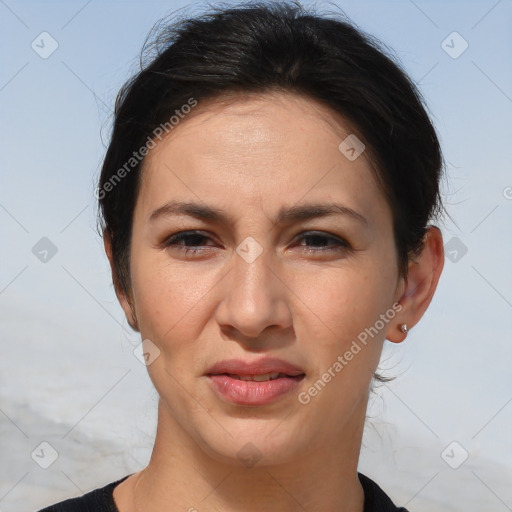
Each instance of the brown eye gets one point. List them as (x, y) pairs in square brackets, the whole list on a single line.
[(318, 241), (189, 242), (188, 239)]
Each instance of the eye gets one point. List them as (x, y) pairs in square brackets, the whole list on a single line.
[(312, 242), (318, 242), (190, 242)]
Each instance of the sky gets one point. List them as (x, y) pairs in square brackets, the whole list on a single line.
[(67, 349)]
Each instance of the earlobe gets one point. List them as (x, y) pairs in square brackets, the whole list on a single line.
[(121, 297), (398, 333), (420, 284)]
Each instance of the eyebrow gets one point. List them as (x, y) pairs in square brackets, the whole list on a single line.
[(285, 215)]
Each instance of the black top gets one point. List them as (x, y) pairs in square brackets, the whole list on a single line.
[(102, 500)]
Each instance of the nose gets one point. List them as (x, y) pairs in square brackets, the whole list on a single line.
[(253, 298)]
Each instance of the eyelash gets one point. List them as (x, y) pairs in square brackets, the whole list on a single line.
[(339, 243)]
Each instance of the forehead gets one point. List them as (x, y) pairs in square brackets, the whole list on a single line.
[(257, 121), (264, 148)]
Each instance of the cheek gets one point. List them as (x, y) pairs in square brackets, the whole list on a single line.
[(346, 300), (168, 295), (172, 308), (343, 333)]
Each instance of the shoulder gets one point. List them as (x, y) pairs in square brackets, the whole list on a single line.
[(99, 500), (375, 499)]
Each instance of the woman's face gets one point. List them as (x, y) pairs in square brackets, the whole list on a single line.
[(258, 271)]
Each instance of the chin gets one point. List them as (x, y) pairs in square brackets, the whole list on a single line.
[(253, 443)]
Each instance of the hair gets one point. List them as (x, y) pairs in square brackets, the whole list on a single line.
[(261, 47)]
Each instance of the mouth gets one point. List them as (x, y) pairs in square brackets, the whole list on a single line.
[(254, 383), (266, 368), (263, 377)]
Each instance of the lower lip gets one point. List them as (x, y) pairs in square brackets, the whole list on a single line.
[(243, 392)]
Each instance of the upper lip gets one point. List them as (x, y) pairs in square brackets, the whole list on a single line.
[(256, 367)]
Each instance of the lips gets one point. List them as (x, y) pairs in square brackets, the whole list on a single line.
[(254, 383), (262, 369)]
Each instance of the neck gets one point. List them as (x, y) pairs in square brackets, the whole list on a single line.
[(181, 476)]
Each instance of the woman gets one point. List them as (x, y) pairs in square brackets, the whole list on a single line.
[(265, 204)]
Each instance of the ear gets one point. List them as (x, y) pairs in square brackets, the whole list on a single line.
[(416, 290), (121, 296)]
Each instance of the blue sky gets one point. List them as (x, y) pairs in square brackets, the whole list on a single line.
[(453, 371)]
